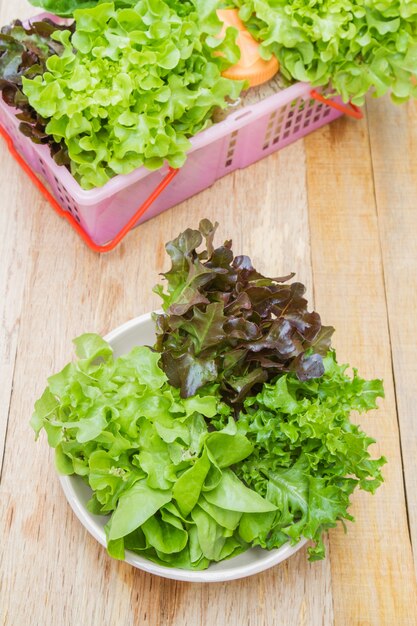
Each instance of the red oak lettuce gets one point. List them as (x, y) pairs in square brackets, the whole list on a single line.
[(24, 51), (224, 322)]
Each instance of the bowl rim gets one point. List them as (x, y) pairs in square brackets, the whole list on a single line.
[(87, 519)]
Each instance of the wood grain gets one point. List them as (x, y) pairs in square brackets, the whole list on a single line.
[(376, 557), (396, 201), (70, 290), (15, 227), (323, 208)]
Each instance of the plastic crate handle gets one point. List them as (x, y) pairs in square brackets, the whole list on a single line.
[(70, 219), (348, 109)]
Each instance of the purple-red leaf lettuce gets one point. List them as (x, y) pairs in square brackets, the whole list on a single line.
[(225, 322), (24, 51)]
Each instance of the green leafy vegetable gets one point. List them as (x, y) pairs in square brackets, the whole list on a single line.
[(231, 494), (357, 45), (132, 85), (188, 481), (64, 8), (135, 507), (226, 323), (308, 457), (23, 53), (148, 455)]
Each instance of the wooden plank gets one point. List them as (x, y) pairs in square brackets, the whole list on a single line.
[(15, 227), (18, 9), (16, 212), (372, 567), (52, 288), (48, 559), (393, 140)]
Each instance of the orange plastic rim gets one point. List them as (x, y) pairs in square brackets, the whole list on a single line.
[(70, 219), (348, 109)]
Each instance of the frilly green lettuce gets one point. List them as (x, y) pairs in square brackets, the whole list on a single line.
[(357, 45), (133, 84), (148, 456), (308, 456), (66, 8), (184, 483)]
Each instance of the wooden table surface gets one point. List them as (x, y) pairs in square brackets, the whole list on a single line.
[(340, 209)]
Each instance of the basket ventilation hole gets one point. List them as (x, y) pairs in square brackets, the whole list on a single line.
[(278, 129), (269, 128), (231, 149), (42, 164)]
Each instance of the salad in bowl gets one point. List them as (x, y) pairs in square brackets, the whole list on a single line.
[(211, 440)]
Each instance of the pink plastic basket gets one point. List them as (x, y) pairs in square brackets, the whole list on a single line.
[(104, 215)]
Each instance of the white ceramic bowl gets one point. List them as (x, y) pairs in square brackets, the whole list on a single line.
[(140, 331)]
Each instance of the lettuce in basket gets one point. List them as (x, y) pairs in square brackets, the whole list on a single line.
[(65, 8), (133, 84), (356, 45), (24, 51)]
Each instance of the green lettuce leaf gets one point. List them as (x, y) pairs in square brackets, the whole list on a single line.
[(231, 494), (354, 45), (188, 487), (65, 8), (135, 507), (133, 84), (308, 456), (148, 455)]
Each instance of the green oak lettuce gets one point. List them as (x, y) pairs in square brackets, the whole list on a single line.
[(133, 85), (65, 8), (149, 457), (308, 456), (357, 45)]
